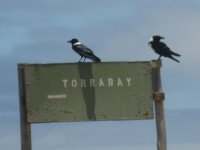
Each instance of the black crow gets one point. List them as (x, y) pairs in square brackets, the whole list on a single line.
[(83, 51), (161, 48)]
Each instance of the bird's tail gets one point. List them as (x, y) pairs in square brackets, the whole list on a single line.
[(176, 54), (96, 59), (175, 58)]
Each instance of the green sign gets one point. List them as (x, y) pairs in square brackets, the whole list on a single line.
[(88, 91)]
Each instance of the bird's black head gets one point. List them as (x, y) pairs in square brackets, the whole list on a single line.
[(73, 41), (156, 38)]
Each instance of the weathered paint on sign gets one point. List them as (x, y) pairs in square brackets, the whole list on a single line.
[(88, 91)]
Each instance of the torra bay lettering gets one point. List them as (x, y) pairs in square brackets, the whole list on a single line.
[(108, 82), (87, 91)]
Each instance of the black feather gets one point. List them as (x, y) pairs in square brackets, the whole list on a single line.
[(161, 48), (83, 51)]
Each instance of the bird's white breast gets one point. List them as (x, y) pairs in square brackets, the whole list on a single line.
[(77, 43), (151, 39)]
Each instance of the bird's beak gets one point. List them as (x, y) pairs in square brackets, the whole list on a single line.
[(69, 41), (162, 38)]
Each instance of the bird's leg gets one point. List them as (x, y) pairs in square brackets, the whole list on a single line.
[(159, 57), (84, 59), (80, 59)]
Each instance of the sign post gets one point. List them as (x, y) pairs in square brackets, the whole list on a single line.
[(69, 92), (24, 125), (158, 97)]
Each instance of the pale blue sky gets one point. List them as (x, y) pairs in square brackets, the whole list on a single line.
[(116, 30)]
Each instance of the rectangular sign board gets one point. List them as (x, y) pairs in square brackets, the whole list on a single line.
[(88, 91)]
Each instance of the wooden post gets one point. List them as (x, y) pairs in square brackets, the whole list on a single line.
[(24, 125), (158, 97)]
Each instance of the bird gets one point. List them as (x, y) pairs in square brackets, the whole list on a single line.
[(83, 51), (161, 48)]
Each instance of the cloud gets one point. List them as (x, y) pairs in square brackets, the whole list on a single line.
[(112, 28), (181, 133), (184, 146), (10, 138), (37, 31)]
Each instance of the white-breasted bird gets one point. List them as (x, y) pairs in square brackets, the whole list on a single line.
[(83, 51), (161, 48)]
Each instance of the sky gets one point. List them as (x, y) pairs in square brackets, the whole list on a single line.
[(116, 30)]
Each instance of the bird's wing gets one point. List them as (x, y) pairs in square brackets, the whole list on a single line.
[(165, 49), (84, 49), (164, 46)]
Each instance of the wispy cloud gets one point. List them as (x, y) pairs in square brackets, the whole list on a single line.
[(37, 31), (181, 133)]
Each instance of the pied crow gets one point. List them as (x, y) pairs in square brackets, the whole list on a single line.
[(161, 48), (83, 51)]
